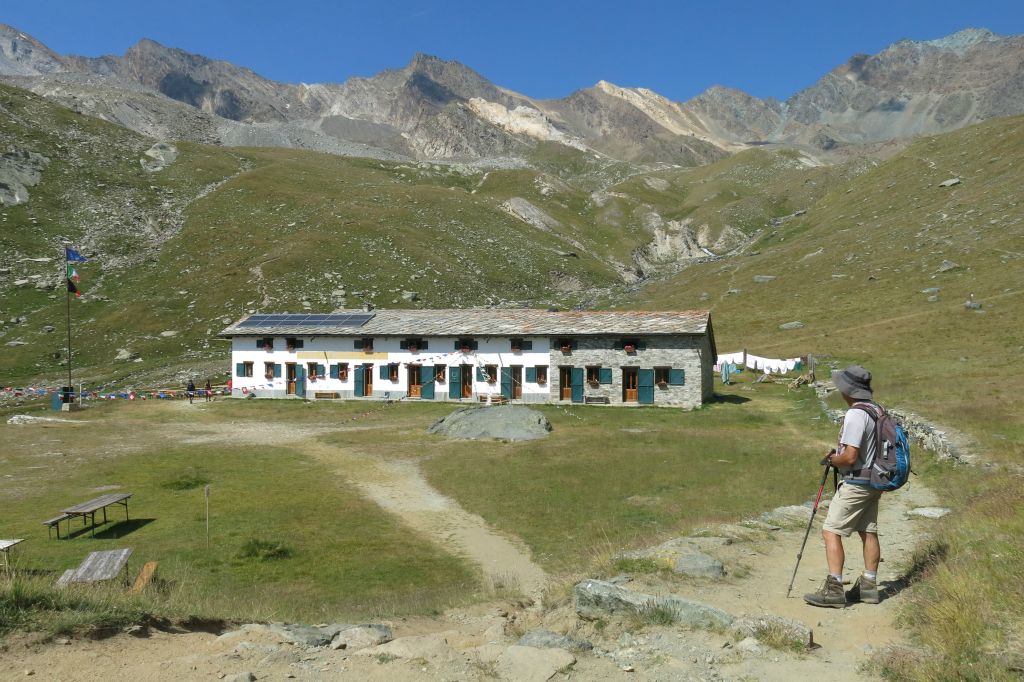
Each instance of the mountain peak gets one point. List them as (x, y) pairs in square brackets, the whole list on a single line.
[(955, 42)]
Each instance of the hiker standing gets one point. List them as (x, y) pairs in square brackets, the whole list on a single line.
[(191, 390), (854, 506), (209, 391)]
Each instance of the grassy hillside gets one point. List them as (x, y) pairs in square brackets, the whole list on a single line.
[(858, 270)]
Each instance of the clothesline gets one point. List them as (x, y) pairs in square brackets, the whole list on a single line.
[(756, 362)]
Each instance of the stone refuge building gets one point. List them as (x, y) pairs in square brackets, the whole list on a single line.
[(520, 355)]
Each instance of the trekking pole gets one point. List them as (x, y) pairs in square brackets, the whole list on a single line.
[(814, 511)]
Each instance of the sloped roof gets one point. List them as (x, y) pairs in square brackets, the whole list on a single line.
[(496, 322)]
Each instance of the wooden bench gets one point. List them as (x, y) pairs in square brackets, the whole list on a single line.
[(145, 575), (596, 400), (55, 523), (495, 399), (326, 395)]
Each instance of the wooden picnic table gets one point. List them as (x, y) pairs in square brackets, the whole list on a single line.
[(98, 566), (89, 509), (5, 547)]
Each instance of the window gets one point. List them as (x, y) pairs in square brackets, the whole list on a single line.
[(247, 369), (465, 345), (413, 345), (661, 376), (291, 343), (343, 371), (311, 369), (519, 345), (365, 345), (393, 371), (631, 345), (266, 343), (491, 372), (593, 374), (268, 370), (542, 374), (439, 373)]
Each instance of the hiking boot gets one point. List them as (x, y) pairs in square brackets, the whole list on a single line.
[(864, 590), (831, 594)]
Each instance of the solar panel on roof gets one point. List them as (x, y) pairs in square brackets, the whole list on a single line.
[(306, 320)]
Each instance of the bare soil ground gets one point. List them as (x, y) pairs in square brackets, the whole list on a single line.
[(473, 643)]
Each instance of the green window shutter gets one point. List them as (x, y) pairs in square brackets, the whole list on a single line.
[(640, 345), (360, 380), (335, 371), (506, 382), (427, 381), (527, 345), (382, 372), (277, 371), (299, 343), (645, 386), (531, 375), (403, 345), (458, 345), (259, 343), (578, 374), (358, 344), (676, 377), (423, 344), (481, 374), (606, 375), (240, 369), (320, 370), (476, 345), (455, 381)]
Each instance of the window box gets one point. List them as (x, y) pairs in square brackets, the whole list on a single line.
[(662, 384), (269, 375), (542, 382), (594, 384), (629, 348), (566, 348)]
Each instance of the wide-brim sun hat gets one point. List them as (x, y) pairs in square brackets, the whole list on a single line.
[(854, 381)]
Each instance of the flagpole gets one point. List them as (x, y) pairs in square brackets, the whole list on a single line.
[(67, 298)]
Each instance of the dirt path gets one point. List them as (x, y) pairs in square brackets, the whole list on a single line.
[(400, 488)]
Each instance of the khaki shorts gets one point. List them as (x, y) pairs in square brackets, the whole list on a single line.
[(853, 508)]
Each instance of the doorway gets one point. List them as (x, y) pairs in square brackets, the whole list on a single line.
[(565, 383), (415, 382), (466, 380), (368, 379), (630, 385), (517, 382), (290, 377)]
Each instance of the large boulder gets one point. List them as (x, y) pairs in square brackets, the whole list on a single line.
[(19, 170), (683, 557), (500, 422), (597, 598), (361, 636), (159, 156)]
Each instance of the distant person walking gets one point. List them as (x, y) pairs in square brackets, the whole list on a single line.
[(191, 390), (854, 507), (209, 391)]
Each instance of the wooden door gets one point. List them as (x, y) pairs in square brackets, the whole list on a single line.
[(565, 383), (517, 382), (630, 385), (290, 376), (466, 380), (368, 379), (415, 386)]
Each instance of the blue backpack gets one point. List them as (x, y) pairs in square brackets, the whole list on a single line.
[(888, 467)]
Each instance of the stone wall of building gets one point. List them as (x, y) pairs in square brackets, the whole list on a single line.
[(689, 353)]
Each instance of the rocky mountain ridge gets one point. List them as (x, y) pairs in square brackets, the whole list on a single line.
[(443, 110)]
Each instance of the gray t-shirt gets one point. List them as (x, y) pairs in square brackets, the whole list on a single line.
[(859, 431)]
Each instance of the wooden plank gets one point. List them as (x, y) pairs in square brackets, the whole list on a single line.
[(99, 566), (65, 577), (7, 544), (145, 575)]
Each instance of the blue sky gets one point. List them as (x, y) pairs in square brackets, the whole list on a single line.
[(542, 49)]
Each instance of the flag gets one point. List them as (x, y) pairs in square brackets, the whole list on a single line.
[(73, 256), (72, 273), (73, 289)]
